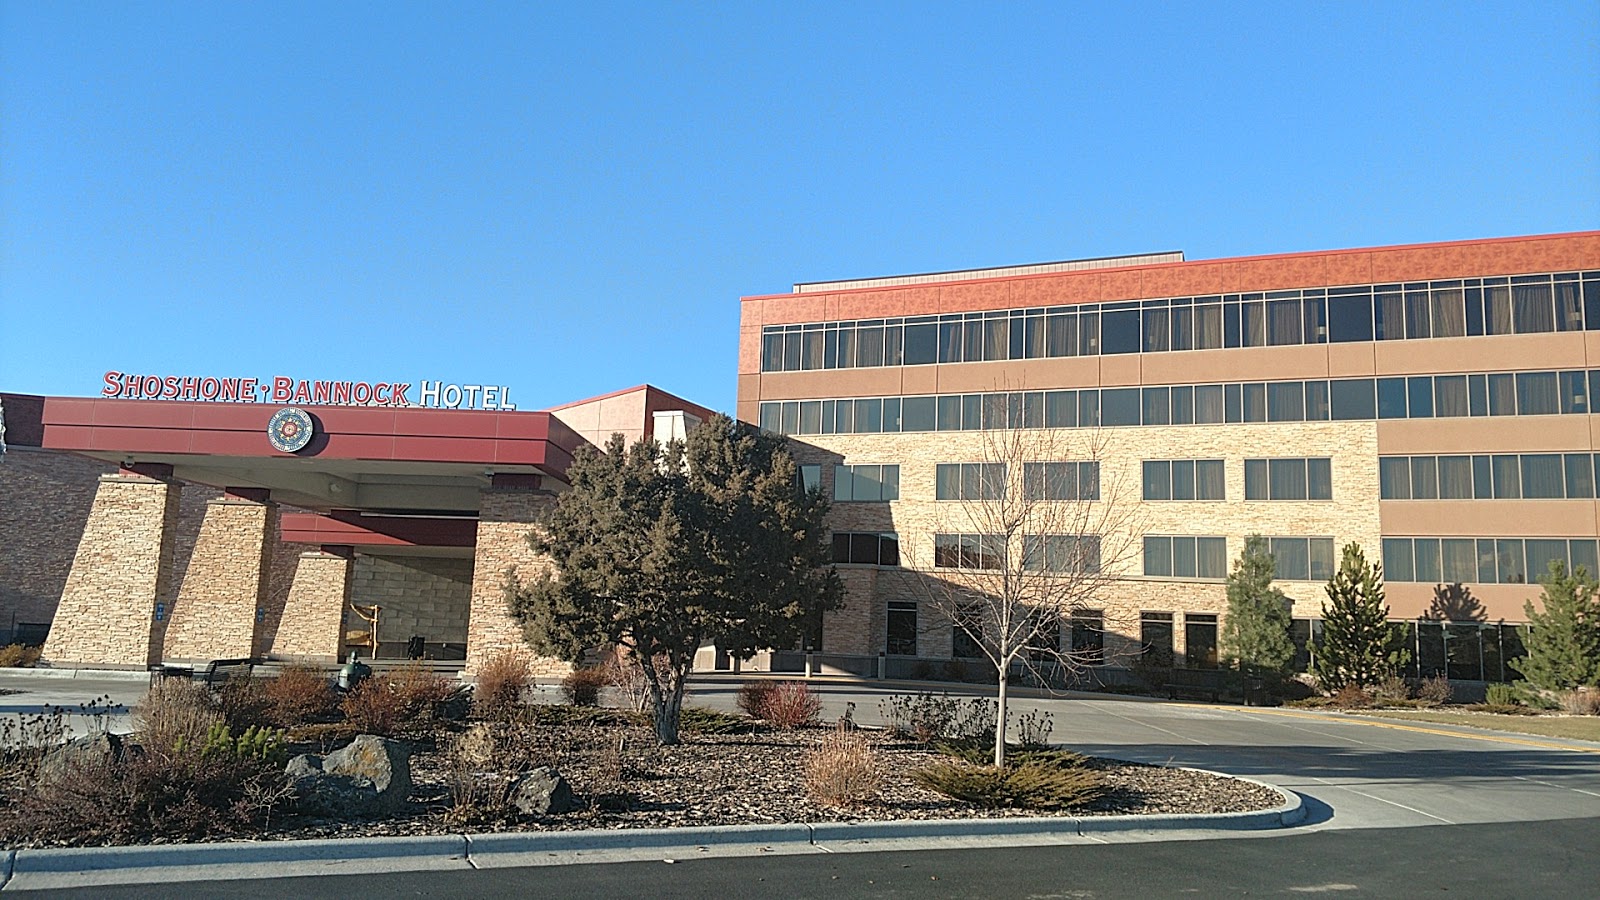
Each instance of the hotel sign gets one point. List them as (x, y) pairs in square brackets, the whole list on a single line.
[(282, 390)]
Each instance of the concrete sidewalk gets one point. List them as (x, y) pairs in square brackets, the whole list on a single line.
[(76, 868)]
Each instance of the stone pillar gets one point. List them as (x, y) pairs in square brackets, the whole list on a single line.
[(312, 628), (508, 511), (224, 590), (109, 613)]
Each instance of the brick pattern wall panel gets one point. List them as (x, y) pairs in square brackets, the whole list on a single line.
[(45, 499), (122, 565), (281, 571), (1352, 514), (313, 622), (505, 518), (426, 596), (224, 584)]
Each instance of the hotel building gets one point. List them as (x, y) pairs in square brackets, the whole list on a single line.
[(1431, 403)]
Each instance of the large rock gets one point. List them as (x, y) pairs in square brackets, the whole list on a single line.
[(542, 792), (78, 753), (370, 777)]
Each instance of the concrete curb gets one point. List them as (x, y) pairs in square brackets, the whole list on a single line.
[(79, 867), (95, 674)]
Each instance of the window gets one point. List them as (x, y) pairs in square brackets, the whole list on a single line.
[(1155, 638), (1061, 481), (810, 477), (970, 481), (866, 548), (1186, 557), (1302, 559), (1200, 640), (1292, 478), (1458, 560), (1088, 636), (901, 628), (969, 551), (866, 483), (1183, 479), (1074, 553), (969, 621)]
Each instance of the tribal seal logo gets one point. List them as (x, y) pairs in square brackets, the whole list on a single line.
[(290, 430)]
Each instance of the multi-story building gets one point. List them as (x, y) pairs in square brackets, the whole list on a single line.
[(1429, 402)]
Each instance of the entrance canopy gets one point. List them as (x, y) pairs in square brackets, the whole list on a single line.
[(405, 461)]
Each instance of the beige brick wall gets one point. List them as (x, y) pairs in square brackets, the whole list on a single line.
[(312, 627), (1352, 514), (45, 498), (505, 518), (430, 596), (224, 584), (123, 566)]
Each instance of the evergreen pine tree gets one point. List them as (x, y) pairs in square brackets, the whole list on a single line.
[(1564, 641), (1356, 634), (1256, 631)]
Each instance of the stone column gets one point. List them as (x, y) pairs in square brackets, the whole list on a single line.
[(224, 591), (509, 510), (312, 628), (109, 611)]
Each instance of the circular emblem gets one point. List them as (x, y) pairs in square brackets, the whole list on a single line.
[(289, 430)]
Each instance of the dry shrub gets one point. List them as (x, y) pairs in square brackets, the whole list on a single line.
[(843, 770), (373, 707), (791, 704), (1393, 689), (1581, 702), (501, 682), (626, 678), (582, 686), (479, 789), (1036, 783), (1352, 697), (300, 694), (151, 797), (244, 703), (18, 656), (175, 713), (752, 698), (398, 703), (1435, 691)]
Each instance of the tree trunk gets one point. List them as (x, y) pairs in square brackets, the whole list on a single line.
[(666, 699), (1000, 718)]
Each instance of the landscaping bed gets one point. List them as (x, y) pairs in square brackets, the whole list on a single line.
[(433, 760)]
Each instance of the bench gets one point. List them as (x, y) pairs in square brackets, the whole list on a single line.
[(213, 674), (1202, 682)]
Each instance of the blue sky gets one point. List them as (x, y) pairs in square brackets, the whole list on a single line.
[(570, 198)]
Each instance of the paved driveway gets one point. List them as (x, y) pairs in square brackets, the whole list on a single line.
[(1354, 773)]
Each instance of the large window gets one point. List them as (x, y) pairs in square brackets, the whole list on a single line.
[(1291, 478), (1505, 476), (1345, 399), (1463, 560), (969, 551), (1200, 640), (871, 483), (866, 548), (970, 621), (1155, 639), (1302, 559), (970, 481), (1186, 557), (1076, 553), (1184, 479), (1088, 636), (901, 628), (1469, 307), (1061, 481)]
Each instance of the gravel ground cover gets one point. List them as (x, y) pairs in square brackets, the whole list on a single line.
[(624, 781)]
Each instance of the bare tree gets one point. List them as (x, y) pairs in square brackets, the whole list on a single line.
[(1030, 536)]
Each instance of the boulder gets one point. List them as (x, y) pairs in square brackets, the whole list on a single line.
[(90, 750), (542, 792), (370, 777)]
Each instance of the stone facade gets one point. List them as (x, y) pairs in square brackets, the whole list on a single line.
[(313, 620), (1352, 514), (122, 569), (505, 518), (223, 594), (419, 595), (45, 499)]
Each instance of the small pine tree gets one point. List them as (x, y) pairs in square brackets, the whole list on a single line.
[(1356, 634), (1564, 643), (1256, 631)]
